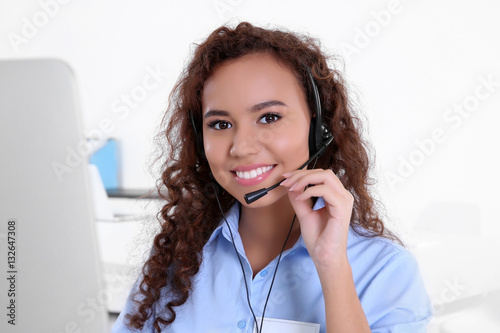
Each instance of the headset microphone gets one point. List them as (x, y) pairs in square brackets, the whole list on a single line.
[(255, 195), (319, 138)]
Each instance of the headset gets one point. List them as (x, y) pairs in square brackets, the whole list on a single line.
[(319, 135), (319, 138)]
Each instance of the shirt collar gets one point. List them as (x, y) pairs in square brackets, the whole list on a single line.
[(233, 217)]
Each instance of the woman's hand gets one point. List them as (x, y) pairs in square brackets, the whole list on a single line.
[(325, 230), (325, 234)]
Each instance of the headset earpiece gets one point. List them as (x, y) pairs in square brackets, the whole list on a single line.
[(319, 134)]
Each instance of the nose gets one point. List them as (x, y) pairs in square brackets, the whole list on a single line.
[(245, 142)]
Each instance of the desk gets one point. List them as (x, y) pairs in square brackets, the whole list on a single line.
[(124, 244), (462, 276)]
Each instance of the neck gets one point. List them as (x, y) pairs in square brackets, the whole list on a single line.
[(263, 231)]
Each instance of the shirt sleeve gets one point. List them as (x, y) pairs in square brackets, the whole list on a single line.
[(396, 300), (120, 325)]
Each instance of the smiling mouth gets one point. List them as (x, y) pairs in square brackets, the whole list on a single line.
[(253, 173)]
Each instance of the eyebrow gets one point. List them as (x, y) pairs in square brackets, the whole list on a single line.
[(255, 108)]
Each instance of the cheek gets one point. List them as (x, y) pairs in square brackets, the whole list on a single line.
[(216, 153), (214, 147), (292, 143)]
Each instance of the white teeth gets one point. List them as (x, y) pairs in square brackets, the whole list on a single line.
[(253, 173)]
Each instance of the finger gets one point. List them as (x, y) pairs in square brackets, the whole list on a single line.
[(323, 191), (292, 177), (338, 205), (301, 207), (301, 180), (332, 198)]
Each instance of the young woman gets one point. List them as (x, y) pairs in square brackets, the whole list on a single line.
[(311, 253)]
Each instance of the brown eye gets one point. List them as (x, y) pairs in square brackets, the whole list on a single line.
[(220, 125), (223, 125), (269, 118)]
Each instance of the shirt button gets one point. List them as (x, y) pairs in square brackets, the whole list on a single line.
[(263, 273), (242, 324)]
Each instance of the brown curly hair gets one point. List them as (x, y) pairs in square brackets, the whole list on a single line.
[(190, 213)]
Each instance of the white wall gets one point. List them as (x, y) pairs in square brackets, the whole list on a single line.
[(409, 70), (412, 71)]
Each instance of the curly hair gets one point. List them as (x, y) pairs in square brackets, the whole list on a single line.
[(190, 213)]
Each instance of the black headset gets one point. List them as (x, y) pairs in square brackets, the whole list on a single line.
[(319, 139), (319, 135)]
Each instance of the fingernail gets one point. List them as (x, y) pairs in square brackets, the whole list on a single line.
[(286, 175)]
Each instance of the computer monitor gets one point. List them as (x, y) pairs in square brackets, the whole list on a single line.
[(49, 261)]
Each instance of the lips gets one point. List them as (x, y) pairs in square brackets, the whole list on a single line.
[(252, 175)]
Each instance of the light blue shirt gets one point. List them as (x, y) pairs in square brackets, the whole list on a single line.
[(386, 276)]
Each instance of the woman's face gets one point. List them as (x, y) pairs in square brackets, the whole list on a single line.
[(255, 125)]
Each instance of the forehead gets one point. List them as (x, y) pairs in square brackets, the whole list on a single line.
[(249, 80)]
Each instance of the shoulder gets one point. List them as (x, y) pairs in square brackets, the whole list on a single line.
[(389, 284), (367, 250), (378, 260)]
